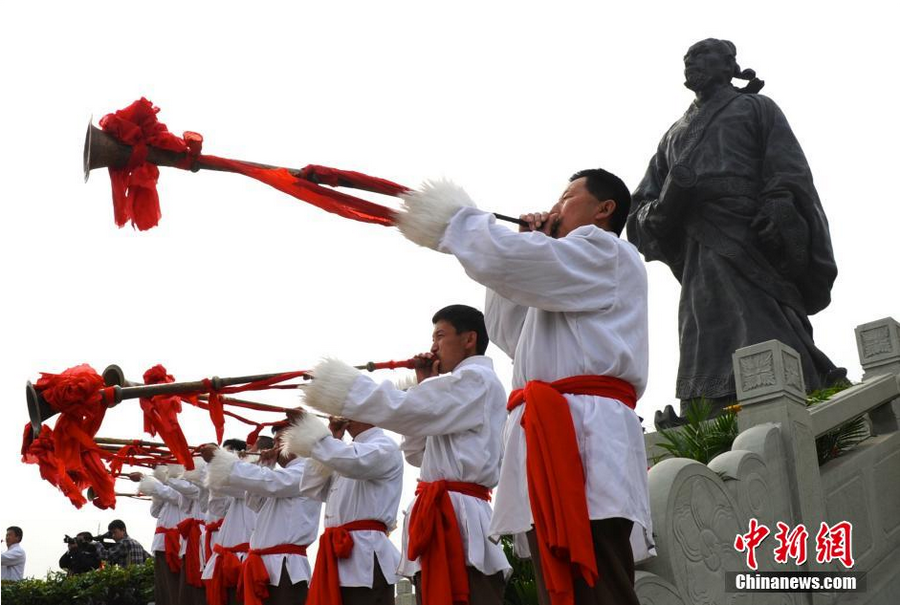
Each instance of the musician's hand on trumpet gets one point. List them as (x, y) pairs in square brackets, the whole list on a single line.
[(427, 365), (338, 426), (545, 222), (207, 451)]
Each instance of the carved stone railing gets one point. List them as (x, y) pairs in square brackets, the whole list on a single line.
[(772, 474)]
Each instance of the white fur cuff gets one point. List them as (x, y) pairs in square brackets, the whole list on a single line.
[(219, 468), (148, 485), (161, 473), (303, 435), (175, 470), (429, 210), (315, 467), (330, 385), (198, 475), (406, 382)]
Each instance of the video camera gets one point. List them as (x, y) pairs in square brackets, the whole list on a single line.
[(83, 540)]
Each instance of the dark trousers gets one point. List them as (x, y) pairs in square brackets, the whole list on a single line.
[(615, 564), (165, 582), (483, 589), (187, 594), (381, 592), (286, 593)]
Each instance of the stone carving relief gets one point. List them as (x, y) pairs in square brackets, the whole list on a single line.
[(792, 372), (876, 341), (757, 371)]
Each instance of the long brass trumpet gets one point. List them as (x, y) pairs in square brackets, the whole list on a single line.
[(91, 495), (39, 410), (102, 150)]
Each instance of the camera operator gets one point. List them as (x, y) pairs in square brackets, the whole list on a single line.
[(82, 555), (127, 551)]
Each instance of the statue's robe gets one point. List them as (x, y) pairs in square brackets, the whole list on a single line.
[(735, 289)]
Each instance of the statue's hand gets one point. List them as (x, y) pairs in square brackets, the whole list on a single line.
[(783, 236)]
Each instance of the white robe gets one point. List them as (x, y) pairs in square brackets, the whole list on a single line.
[(284, 517), (230, 504), (13, 559), (454, 423), (366, 484), (566, 307), (166, 506), (194, 502)]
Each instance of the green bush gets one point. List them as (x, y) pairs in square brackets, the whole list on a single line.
[(521, 588), (113, 585)]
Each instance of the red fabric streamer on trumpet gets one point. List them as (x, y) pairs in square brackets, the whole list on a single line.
[(161, 416), (80, 396), (135, 197), (40, 450)]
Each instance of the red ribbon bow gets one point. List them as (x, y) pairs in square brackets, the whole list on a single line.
[(335, 543), (435, 539), (556, 477)]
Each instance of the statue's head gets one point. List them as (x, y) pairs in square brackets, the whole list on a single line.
[(710, 64)]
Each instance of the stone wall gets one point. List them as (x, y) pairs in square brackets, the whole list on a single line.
[(772, 474)]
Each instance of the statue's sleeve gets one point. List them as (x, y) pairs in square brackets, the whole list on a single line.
[(653, 231), (786, 176)]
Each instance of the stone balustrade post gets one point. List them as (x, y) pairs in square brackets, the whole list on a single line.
[(878, 343), (404, 593), (770, 388)]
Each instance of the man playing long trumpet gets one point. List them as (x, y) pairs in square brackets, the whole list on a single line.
[(275, 570), (567, 300), (166, 507), (195, 503), (451, 422), (231, 540), (360, 483)]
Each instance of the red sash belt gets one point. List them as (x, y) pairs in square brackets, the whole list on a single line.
[(226, 572), (173, 546), (211, 528), (556, 477), (434, 539), (190, 531), (254, 580), (335, 543)]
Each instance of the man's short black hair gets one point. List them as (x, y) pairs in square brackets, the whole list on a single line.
[(604, 185), (16, 530), (117, 524), (264, 442), (236, 445), (86, 535), (465, 319)]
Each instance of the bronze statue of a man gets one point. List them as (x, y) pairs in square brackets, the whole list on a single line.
[(728, 203)]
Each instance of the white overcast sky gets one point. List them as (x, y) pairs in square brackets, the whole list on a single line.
[(506, 99)]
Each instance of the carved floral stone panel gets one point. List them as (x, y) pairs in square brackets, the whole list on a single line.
[(757, 371)]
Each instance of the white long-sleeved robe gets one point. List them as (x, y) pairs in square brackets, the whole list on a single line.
[(566, 307), (194, 503), (366, 484), (454, 422), (283, 516), (229, 503), (13, 559), (166, 506)]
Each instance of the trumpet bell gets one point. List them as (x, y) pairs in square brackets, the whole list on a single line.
[(113, 375), (101, 150), (38, 409)]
